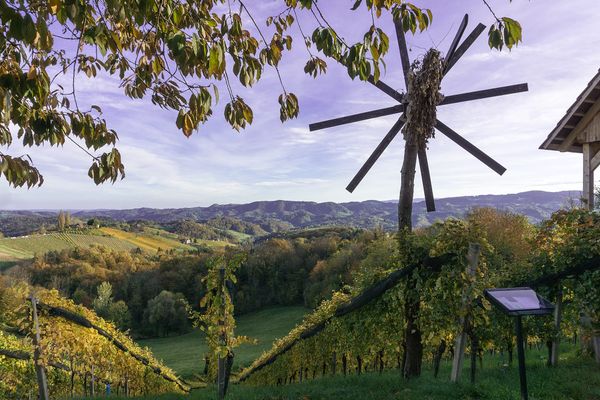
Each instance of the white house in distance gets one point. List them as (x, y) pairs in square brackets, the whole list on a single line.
[(579, 132)]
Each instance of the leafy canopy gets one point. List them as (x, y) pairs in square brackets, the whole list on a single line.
[(170, 51)]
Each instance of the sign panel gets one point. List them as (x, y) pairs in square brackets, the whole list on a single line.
[(519, 301)]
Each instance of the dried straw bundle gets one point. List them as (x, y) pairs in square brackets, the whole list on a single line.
[(424, 95)]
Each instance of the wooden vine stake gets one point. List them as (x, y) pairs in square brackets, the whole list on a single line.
[(221, 362), (93, 382), (40, 371), (596, 344), (557, 321), (333, 362), (461, 339), (126, 386)]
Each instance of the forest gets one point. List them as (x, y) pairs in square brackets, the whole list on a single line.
[(126, 287)]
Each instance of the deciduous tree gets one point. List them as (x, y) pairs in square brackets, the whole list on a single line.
[(172, 52), (168, 313), (61, 221)]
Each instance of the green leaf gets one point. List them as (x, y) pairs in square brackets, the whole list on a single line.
[(495, 38), (513, 32), (29, 31), (16, 27), (356, 5)]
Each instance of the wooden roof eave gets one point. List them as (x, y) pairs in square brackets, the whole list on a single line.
[(576, 112)]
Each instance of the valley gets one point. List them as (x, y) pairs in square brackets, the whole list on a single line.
[(151, 282)]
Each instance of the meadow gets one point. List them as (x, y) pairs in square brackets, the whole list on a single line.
[(576, 378), (185, 353)]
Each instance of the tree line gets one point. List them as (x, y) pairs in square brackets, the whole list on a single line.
[(150, 294)]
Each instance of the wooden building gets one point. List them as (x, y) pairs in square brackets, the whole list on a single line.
[(579, 132)]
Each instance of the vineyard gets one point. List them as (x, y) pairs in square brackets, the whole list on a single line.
[(27, 247), (363, 328), (78, 352), (152, 241), (398, 299)]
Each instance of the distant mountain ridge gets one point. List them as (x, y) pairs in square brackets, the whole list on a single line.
[(281, 215)]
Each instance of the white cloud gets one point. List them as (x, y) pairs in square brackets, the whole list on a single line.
[(273, 161)]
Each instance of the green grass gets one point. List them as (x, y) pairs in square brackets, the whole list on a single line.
[(576, 378), (239, 236), (26, 247), (161, 232), (185, 353), (6, 265), (214, 244)]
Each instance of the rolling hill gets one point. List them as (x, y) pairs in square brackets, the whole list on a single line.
[(281, 215), (257, 218)]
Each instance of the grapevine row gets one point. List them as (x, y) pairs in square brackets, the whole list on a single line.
[(82, 321), (80, 348), (320, 320), (366, 331)]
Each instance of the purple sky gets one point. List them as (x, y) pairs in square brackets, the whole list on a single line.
[(271, 161)]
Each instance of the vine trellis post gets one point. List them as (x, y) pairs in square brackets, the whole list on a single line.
[(224, 363), (333, 363), (461, 339), (93, 381), (416, 141), (557, 321), (220, 360), (40, 370)]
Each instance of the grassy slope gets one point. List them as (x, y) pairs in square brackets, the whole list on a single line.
[(239, 236), (215, 244), (110, 242), (25, 247), (574, 379), (210, 243), (150, 241), (185, 353), (6, 265)]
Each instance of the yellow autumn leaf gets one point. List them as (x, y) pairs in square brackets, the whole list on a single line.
[(54, 5)]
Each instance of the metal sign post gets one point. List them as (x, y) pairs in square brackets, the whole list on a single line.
[(521, 356), (517, 302)]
